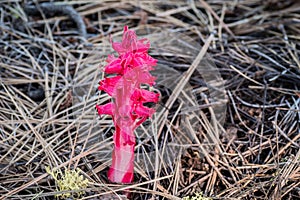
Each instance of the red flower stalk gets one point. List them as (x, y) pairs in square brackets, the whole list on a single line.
[(129, 70)]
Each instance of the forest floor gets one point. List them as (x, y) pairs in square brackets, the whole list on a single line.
[(226, 127)]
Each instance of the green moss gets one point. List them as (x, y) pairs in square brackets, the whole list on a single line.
[(68, 180)]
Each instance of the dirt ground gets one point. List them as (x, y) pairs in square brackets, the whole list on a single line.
[(227, 124)]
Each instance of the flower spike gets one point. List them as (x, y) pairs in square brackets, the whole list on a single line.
[(127, 73)]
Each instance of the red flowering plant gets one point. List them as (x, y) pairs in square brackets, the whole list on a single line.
[(128, 72)]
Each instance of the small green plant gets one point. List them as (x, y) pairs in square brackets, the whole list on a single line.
[(198, 196), (68, 180)]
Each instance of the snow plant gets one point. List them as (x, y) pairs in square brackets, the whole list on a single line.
[(125, 75)]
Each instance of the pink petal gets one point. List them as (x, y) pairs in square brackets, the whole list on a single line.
[(150, 96), (130, 43), (145, 96), (106, 109), (140, 120), (114, 67), (146, 77), (144, 60), (143, 45), (127, 59), (110, 58), (143, 111), (108, 84)]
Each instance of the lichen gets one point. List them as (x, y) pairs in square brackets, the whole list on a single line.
[(198, 196), (69, 181)]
